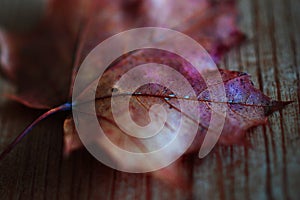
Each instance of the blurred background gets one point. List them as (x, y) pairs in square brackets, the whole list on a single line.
[(19, 15)]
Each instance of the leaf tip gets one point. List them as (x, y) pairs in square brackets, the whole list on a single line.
[(275, 106)]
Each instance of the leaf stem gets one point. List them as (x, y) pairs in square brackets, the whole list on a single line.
[(64, 107)]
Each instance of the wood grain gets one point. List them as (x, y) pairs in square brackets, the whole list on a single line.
[(270, 169)]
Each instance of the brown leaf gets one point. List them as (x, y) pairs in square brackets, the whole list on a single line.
[(247, 106)]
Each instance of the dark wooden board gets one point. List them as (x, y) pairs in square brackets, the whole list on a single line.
[(270, 169)]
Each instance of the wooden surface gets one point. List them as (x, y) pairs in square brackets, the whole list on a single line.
[(35, 169)]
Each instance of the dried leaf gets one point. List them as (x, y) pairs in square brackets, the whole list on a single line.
[(248, 106)]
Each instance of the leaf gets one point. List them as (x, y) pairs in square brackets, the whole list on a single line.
[(247, 107)]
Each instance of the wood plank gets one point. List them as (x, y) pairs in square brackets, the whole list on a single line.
[(270, 169)]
